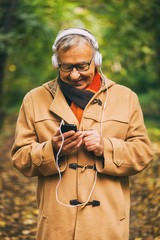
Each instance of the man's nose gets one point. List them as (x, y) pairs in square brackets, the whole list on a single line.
[(74, 74)]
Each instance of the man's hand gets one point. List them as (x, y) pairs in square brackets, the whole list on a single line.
[(72, 142), (93, 142)]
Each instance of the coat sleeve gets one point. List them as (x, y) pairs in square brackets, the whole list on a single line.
[(29, 156), (132, 155)]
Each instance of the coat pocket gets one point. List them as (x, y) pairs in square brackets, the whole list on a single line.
[(112, 197), (122, 205), (46, 128)]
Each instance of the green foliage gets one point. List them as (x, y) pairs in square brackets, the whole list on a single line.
[(128, 33), (150, 103), (130, 42)]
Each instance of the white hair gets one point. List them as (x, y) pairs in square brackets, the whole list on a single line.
[(71, 40)]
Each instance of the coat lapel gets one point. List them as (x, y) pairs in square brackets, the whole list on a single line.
[(60, 107)]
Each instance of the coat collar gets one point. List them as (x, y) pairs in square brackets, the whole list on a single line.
[(60, 107)]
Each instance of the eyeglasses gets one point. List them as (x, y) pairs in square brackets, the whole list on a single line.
[(81, 67)]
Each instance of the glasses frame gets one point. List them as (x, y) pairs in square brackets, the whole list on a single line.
[(75, 66)]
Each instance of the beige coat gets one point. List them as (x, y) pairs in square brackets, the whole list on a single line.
[(127, 151)]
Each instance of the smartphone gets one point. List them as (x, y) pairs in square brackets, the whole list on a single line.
[(68, 127)]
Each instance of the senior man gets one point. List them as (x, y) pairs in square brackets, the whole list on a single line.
[(83, 176)]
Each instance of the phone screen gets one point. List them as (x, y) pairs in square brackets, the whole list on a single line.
[(68, 127)]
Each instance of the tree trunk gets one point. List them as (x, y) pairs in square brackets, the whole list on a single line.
[(8, 8)]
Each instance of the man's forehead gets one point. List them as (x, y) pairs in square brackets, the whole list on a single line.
[(76, 54)]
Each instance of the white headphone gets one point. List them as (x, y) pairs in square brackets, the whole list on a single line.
[(77, 31)]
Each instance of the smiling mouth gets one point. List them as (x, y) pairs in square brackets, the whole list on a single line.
[(79, 80), (78, 83)]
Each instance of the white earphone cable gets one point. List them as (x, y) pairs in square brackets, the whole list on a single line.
[(56, 191), (105, 103)]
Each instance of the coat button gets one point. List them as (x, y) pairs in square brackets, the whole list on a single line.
[(118, 162)]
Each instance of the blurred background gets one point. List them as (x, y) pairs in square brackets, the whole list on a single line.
[(128, 33)]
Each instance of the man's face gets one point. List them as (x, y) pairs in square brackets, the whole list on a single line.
[(81, 53)]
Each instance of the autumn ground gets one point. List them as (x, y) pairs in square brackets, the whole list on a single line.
[(18, 212)]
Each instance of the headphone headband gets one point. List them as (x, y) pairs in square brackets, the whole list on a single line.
[(75, 31)]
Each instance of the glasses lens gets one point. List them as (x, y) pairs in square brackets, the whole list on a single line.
[(66, 67), (82, 66)]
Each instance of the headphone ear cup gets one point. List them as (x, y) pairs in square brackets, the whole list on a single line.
[(54, 61), (98, 59)]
